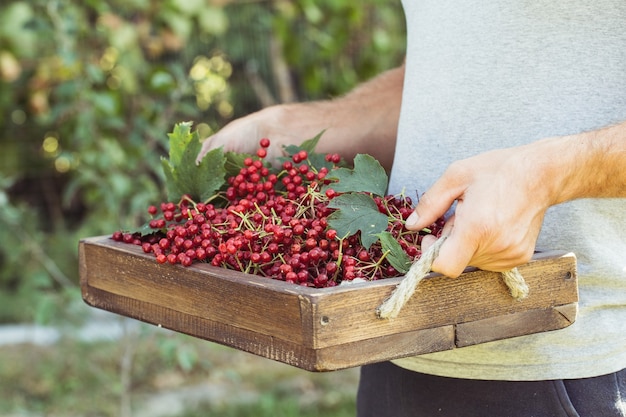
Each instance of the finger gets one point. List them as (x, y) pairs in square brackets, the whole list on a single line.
[(447, 227), (207, 145), (427, 242), (435, 202), (454, 255)]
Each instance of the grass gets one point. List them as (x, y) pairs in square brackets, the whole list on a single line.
[(270, 406), (152, 372)]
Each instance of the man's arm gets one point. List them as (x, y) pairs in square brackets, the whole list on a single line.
[(502, 196), (362, 121), (597, 166)]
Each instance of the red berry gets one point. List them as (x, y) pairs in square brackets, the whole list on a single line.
[(363, 255), (274, 223)]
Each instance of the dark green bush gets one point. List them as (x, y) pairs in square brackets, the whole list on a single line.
[(89, 90)]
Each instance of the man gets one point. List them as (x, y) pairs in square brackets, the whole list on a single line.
[(511, 117)]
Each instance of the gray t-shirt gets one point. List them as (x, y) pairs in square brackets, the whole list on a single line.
[(482, 75)]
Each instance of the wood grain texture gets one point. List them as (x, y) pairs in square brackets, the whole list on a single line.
[(330, 328)]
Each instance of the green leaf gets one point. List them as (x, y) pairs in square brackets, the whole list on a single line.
[(15, 28), (162, 81), (367, 176), (308, 145), (183, 176), (202, 180), (317, 160), (212, 174), (234, 162), (357, 212), (173, 193), (179, 139), (213, 20), (397, 257)]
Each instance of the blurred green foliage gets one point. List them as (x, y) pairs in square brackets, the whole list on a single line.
[(90, 89), (74, 378)]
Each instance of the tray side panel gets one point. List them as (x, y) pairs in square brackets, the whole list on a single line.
[(280, 350), (190, 291), (350, 315)]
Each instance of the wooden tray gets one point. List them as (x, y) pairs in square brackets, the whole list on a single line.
[(330, 328)]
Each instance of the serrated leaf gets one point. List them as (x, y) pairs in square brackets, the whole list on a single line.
[(183, 175), (367, 176), (204, 179), (316, 160), (397, 257), (234, 162), (357, 212), (173, 193), (180, 137), (308, 145)]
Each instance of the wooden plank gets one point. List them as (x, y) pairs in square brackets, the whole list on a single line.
[(512, 325), (569, 311), (256, 304), (394, 346), (291, 353)]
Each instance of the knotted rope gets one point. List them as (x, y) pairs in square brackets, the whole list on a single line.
[(390, 308)]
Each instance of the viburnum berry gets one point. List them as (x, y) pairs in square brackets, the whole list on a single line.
[(275, 223)]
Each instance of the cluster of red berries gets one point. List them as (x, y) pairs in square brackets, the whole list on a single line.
[(275, 224)]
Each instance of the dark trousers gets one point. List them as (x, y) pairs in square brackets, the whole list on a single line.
[(387, 390)]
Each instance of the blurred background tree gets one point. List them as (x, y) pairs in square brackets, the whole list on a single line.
[(90, 89)]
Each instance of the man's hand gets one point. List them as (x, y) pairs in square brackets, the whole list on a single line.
[(502, 196), (500, 204), (243, 135)]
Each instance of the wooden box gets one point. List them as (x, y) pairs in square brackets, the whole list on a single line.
[(330, 328)]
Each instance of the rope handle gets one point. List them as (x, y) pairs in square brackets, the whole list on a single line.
[(390, 308)]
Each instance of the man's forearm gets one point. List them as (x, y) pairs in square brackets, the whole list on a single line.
[(364, 120), (519, 184), (587, 165)]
